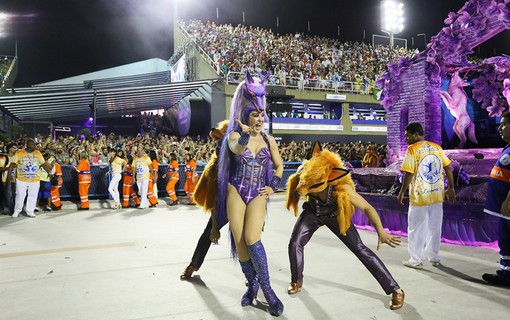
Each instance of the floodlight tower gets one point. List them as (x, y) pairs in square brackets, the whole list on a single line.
[(392, 18)]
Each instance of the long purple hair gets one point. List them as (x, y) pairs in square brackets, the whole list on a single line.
[(248, 97)]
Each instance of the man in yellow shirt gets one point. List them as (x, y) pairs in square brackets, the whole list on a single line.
[(423, 167), (143, 170), (27, 163)]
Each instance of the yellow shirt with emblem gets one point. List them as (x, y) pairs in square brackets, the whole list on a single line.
[(117, 165), (28, 164), (142, 167), (425, 160), (3, 163)]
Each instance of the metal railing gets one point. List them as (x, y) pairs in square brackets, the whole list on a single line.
[(202, 52), (307, 84)]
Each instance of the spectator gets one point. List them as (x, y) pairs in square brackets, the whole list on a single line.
[(61, 157), (44, 195), (118, 166), (191, 177), (153, 186), (27, 163), (142, 168), (84, 180), (371, 159), (9, 187), (173, 178), (127, 187), (56, 184)]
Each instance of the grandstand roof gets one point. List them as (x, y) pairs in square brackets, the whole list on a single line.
[(73, 102), (153, 66)]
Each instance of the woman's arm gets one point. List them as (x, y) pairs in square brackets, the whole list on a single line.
[(233, 143)]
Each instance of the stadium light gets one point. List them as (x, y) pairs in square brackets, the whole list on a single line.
[(4, 17), (392, 12)]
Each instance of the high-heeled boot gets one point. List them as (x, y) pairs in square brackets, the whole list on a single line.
[(259, 261), (253, 285)]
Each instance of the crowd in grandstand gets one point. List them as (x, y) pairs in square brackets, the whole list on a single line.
[(296, 56)]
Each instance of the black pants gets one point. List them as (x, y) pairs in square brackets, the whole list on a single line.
[(203, 245), (308, 222)]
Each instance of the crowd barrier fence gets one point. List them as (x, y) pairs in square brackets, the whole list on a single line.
[(101, 178)]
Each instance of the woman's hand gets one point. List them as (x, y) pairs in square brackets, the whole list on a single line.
[(266, 191), (244, 128)]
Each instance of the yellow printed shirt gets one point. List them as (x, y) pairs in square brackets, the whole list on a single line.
[(3, 161), (117, 164), (142, 167), (28, 165), (425, 160)]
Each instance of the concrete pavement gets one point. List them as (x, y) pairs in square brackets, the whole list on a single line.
[(125, 264)]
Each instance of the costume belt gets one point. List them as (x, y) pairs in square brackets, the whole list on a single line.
[(322, 210)]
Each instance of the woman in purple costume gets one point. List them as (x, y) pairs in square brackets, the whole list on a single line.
[(247, 158)]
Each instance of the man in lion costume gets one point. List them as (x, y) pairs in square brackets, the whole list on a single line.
[(205, 196), (331, 200)]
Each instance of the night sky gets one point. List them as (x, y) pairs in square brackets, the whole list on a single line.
[(63, 38)]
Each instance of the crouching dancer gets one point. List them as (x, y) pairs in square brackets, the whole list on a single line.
[(331, 199)]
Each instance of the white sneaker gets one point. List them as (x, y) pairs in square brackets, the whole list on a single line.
[(408, 264), (31, 215), (15, 214)]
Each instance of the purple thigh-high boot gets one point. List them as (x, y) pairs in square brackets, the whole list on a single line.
[(253, 285), (305, 226), (259, 260)]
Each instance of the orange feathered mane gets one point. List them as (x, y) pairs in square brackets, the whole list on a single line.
[(205, 192), (218, 133), (323, 169)]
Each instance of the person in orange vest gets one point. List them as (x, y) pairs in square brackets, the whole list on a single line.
[(127, 185), (56, 184), (84, 180), (191, 177), (142, 166), (153, 180), (173, 178)]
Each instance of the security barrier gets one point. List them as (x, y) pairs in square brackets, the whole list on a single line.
[(101, 178)]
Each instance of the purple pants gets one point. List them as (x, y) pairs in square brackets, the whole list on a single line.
[(308, 222)]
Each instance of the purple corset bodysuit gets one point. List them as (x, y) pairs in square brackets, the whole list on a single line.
[(250, 173)]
